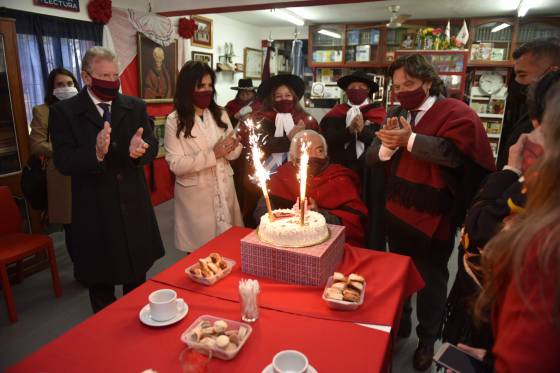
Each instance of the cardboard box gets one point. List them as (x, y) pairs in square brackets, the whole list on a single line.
[(305, 266)]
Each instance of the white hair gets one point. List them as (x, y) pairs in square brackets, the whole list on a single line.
[(94, 53), (292, 155)]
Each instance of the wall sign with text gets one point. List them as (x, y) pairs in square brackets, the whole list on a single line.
[(72, 5)]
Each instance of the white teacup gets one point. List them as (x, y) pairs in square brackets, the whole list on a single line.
[(164, 304), (290, 361)]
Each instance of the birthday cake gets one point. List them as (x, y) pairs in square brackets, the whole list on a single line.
[(285, 229)]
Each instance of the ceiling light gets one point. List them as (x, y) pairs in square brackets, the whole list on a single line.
[(288, 16), (523, 8), (329, 33), (500, 27), (304, 13)]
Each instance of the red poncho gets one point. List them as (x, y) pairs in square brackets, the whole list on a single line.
[(233, 106), (418, 193), (336, 189)]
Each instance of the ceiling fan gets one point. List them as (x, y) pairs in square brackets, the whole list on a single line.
[(396, 20)]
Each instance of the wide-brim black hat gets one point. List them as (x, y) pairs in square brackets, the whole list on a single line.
[(244, 85), (358, 76), (292, 81)]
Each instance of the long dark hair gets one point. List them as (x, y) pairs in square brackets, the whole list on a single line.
[(49, 97), (418, 67), (190, 76)]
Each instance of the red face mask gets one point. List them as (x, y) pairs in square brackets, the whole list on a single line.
[(531, 152), (284, 106), (357, 96), (411, 100), (105, 90), (202, 99)]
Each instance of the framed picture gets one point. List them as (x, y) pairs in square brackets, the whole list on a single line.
[(253, 62), (157, 70), (202, 57), (408, 41), (159, 133), (203, 34)]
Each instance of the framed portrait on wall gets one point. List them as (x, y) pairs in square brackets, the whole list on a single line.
[(159, 133), (202, 57), (203, 34), (157, 70), (253, 62)]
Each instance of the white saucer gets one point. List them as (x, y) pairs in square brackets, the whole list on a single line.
[(269, 369), (147, 320)]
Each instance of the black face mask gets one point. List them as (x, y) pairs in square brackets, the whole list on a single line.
[(316, 165)]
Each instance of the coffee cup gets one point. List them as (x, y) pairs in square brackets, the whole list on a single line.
[(164, 305), (290, 361)]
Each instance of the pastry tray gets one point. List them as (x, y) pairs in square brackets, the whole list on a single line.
[(216, 351), (342, 304), (208, 281)]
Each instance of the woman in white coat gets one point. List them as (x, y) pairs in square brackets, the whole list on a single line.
[(199, 143)]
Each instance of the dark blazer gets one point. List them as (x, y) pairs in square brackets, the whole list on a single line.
[(510, 137), (114, 229)]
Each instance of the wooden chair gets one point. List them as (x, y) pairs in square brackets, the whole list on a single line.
[(16, 246)]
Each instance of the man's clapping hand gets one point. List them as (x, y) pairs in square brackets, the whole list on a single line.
[(102, 142), (137, 146), (357, 124), (392, 136)]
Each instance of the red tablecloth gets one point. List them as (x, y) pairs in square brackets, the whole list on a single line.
[(390, 279), (114, 340)]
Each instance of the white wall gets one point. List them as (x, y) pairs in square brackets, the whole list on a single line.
[(28, 6), (242, 36)]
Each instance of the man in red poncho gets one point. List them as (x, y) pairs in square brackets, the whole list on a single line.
[(332, 190), (349, 128), (436, 152), (244, 103)]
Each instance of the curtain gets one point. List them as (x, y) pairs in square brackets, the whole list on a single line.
[(297, 58), (46, 42)]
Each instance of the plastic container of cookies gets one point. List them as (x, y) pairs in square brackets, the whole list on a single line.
[(208, 281), (342, 305), (189, 337)]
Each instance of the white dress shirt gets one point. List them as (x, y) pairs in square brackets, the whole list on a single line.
[(386, 153), (97, 101)]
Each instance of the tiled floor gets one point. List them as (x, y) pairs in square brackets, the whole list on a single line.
[(43, 318)]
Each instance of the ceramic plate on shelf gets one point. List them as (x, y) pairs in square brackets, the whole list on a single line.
[(270, 369), (147, 320)]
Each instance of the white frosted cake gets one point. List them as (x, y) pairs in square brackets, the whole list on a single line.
[(286, 230)]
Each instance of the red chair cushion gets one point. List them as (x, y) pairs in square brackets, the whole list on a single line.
[(16, 246)]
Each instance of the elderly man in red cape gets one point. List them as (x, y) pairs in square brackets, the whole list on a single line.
[(332, 190)]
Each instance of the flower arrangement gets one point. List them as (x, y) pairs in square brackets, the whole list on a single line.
[(435, 38), (187, 27), (100, 11)]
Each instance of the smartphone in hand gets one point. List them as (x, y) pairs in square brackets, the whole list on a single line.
[(451, 357)]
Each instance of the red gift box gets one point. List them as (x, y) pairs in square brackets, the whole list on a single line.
[(305, 266)]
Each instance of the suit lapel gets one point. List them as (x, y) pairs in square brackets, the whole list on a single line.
[(119, 108), (86, 106)]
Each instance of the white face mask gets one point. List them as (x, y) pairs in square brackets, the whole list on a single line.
[(62, 93)]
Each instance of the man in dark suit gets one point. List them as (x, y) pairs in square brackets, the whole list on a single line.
[(102, 139), (532, 60)]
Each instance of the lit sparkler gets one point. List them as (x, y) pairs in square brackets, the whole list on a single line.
[(261, 174)]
